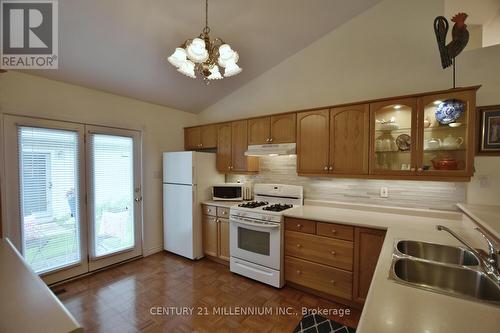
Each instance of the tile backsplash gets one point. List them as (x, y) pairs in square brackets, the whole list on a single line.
[(411, 194)]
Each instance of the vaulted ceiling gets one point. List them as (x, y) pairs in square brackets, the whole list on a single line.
[(121, 46)]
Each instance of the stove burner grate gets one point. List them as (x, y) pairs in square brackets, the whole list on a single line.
[(277, 207), (253, 204)]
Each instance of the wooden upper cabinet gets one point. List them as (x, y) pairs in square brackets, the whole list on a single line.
[(192, 138), (283, 128), (393, 132), (259, 131), (368, 243), (208, 136), (313, 134), (446, 150), (224, 158), (349, 136), (274, 129), (239, 145)]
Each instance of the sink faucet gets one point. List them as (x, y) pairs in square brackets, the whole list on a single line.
[(488, 264)]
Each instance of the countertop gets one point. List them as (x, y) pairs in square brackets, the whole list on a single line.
[(27, 303), (486, 216), (392, 307)]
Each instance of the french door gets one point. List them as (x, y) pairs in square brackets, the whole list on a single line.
[(72, 195)]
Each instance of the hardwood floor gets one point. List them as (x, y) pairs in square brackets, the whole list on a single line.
[(122, 299)]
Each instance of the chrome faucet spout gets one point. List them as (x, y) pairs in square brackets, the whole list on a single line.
[(489, 264)]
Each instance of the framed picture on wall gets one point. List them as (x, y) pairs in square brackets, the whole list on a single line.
[(489, 130)]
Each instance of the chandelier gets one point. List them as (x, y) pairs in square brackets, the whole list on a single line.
[(205, 56)]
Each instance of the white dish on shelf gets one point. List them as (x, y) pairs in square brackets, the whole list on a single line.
[(453, 125), (389, 126)]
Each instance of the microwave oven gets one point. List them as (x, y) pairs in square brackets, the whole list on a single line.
[(232, 192)]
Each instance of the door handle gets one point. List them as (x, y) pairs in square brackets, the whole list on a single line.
[(138, 199)]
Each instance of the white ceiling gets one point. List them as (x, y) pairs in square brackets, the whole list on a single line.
[(121, 46)]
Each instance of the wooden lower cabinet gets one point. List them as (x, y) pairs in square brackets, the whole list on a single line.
[(332, 252), (368, 245), (320, 277), (335, 260), (210, 235), (216, 232), (224, 239)]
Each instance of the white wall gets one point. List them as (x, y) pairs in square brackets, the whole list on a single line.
[(491, 31), (162, 128), (388, 50)]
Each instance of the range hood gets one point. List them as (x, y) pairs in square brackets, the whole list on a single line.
[(271, 149)]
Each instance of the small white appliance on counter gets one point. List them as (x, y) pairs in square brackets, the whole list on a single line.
[(232, 192), (187, 181), (257, 231)]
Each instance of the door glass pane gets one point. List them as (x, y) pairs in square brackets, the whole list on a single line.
[(113, 193), (393, 138), (49, 183), (254, 241), (445, 135)]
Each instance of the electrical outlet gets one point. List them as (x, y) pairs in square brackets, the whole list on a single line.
[(384, 192), (484, 182)]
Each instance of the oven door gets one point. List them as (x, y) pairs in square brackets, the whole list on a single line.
[(256, 242)]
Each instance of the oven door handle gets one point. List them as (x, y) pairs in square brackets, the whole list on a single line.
[(253, 224)]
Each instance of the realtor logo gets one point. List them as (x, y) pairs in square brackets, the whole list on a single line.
[(29, 34)]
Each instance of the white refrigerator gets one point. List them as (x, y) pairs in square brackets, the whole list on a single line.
[(187, 182)]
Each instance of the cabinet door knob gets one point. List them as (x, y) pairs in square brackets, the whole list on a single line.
[(332, 281), (333, 253), (334, 231), (270, 139), (330, 168), (299, 226), (299, 272), (325, 168), (298, 245), (419, 170)]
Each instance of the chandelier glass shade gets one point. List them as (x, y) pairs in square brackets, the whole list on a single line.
[(205, 56)]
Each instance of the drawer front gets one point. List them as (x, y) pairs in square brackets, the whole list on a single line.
[(332, 252), (319, 277), (223, 212), (300, 225), (209, 210), (333, 230)]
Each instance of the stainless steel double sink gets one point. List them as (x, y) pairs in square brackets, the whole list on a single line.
[(450, 270)]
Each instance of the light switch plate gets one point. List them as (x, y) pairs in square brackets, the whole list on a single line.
[(384, 192)]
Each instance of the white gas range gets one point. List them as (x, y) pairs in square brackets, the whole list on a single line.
[(256, 232)]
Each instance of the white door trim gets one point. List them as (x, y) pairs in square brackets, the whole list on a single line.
[(100, 262), (10, 191)]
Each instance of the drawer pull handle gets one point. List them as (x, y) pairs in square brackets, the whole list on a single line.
[(299, 272), (334, 253), (332, 282), (299, 246), (334, 231), (299, 226)]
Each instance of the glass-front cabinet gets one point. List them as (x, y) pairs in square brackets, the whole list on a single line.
[(393, 130), (445, 132), (428, 136)]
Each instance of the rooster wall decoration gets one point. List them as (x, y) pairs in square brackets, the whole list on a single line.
[(459, 39)]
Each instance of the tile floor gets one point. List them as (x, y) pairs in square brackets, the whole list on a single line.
[(121, 299)]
